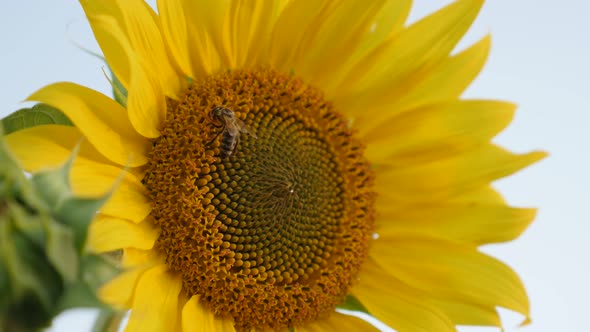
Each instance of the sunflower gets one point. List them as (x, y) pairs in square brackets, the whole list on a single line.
[(281, 158)]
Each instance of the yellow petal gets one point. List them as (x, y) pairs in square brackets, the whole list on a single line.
[(129, 200), (50, 146), (411, 60), (102, 120), (386, 23), (396, 304), (439, 83), (288, 33), (196, 317), (205, 34), (148, 45), (422, 44), (155, 302), (468, 314), (485, 195), (175, 32), (451, 271), (248, 28), (230, 34), (134, 258), (108, 234), (208, 60), (326, 49), (437, 130), (119, 291), (446, 80), (452, 176), (106, 21), (482, 195), (146, 101), (470, 222), (337, 322), (183, 298)]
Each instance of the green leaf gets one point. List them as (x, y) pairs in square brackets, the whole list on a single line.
[(37, 115), (353, 304)]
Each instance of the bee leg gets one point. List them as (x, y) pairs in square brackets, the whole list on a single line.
[(214, 138)]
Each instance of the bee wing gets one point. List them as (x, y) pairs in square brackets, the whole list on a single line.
[(244, 128)]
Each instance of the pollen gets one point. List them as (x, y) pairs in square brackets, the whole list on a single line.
[(273, 233)]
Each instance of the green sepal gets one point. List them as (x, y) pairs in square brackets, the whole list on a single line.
[(37, 115), (78, 295), (53, 186), (12, 178), (119, 90), (353, 304), (108, 320), (28, 223), (96, 271), (74, 212), (61, 251), (77, 213)]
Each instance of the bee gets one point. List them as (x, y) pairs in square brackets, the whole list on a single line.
[(231, 126)]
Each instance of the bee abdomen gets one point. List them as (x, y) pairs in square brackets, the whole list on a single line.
[(227, 145)]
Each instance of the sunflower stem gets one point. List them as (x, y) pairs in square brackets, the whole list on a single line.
[(108, 321)]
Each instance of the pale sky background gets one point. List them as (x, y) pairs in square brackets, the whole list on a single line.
[(540, 60)]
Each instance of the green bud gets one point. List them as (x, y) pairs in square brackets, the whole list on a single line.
[(44, 268)]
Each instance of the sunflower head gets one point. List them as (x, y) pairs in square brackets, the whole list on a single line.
[(288, 157), (275, 232)]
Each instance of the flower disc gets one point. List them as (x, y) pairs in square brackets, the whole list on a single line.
[(267, 213)]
